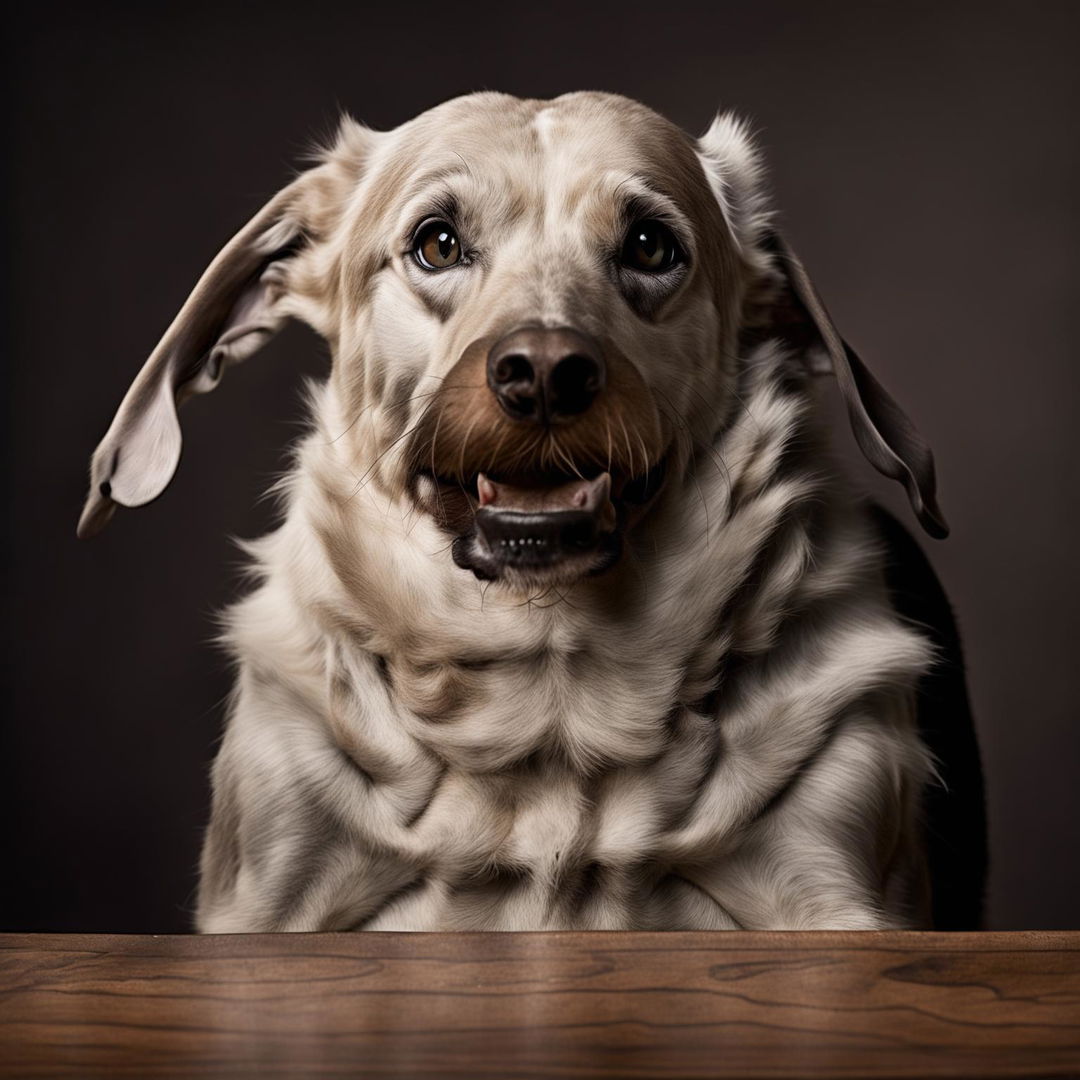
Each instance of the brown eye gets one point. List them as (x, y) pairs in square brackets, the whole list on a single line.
[(650, 246), (436, 245)]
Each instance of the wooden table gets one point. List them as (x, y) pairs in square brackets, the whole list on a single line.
[(541, 1005)]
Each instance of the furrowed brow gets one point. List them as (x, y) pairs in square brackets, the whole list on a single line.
[(641, 201)]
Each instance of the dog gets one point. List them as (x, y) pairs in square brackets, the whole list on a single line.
[(571, 620)]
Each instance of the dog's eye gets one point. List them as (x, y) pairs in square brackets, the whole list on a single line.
[(650, 246), (436, 245)]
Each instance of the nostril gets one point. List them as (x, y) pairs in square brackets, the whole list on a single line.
[(574, 382), (512, 369), (513, 378)]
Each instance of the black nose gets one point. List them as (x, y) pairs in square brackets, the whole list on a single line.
[(545, 374)]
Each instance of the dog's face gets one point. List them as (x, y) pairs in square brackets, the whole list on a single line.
[(534, 310), (536, 296)]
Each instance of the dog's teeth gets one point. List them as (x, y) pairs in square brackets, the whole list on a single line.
[(485, 490)]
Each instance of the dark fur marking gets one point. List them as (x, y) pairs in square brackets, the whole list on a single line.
[(395, 897), (584, 886), (355, 766), (415, 817), (791, 459), (321, 835), (497, 880), (396, 409), (382, 665), (806, 765), (221, 860)]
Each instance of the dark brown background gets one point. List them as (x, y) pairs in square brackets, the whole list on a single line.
[(925, 159)]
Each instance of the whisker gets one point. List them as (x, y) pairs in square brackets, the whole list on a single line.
[(371, 405), (719, 462), (464, 447), (644, 452), (434, 473), (629, 448), (405, 434), (565, 457), (494, 456), (710, 405), (683, 430)]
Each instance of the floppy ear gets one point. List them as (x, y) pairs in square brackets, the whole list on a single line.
[(884, 433), (236, 307)]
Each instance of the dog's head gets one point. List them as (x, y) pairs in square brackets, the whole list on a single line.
[(533, 307)]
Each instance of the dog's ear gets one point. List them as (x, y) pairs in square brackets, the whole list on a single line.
[(239, 303), (884, 433)]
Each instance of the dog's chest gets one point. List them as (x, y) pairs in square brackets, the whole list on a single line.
[(551, 784), (543, 845)]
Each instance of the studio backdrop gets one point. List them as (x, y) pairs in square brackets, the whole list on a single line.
[(924, 159)]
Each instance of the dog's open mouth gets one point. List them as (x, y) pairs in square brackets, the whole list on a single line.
[(536, 502), (539, 529)]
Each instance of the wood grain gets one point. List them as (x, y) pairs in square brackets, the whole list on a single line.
[(541, 1005)]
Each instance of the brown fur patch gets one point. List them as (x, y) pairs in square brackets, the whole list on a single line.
[(465, 431)]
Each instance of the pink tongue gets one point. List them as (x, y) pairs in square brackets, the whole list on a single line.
[(592, 496)]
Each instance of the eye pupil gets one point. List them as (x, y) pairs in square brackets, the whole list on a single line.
[(436, 246), (651, 246)]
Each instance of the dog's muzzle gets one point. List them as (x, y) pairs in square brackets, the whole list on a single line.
[(539, 466)]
